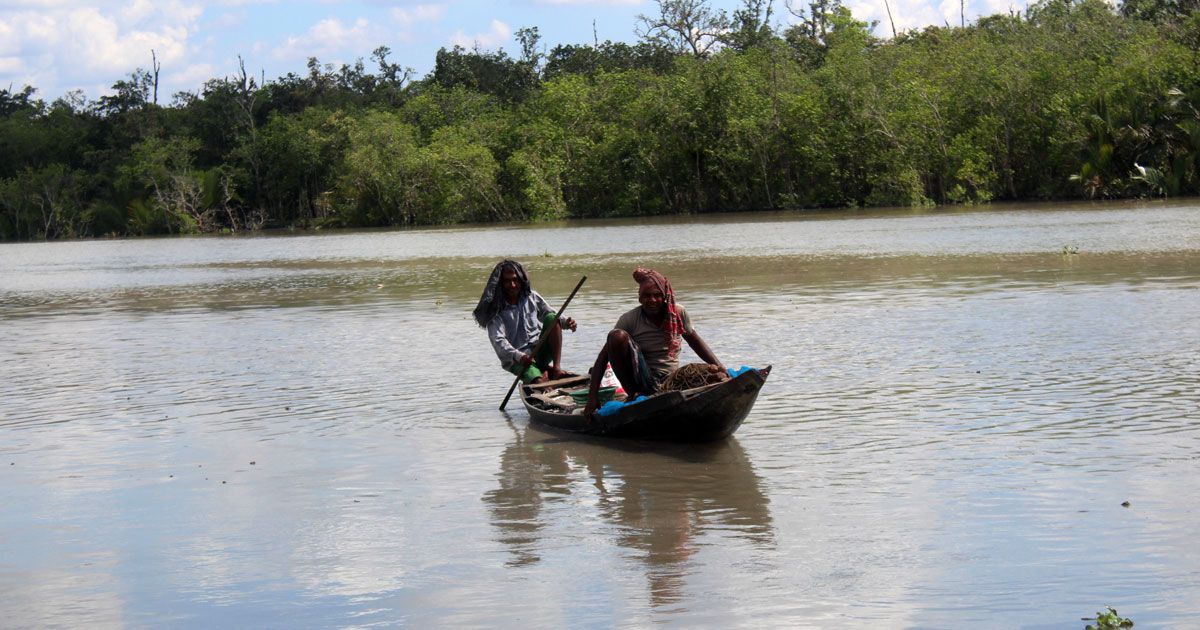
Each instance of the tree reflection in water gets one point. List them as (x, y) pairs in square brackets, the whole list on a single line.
[(662, 499)]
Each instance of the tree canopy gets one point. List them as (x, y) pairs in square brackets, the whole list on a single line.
[(707, 112)]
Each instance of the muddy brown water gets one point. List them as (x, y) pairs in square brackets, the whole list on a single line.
[(301, 430)]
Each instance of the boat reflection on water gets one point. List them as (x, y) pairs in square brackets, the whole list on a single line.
[(664, 502)]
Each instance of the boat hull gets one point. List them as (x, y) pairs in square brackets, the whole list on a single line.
[(704, 414)]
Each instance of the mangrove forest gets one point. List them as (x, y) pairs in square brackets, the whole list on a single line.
[(705, 111)]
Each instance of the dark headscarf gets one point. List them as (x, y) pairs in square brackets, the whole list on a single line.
[(492, 300)]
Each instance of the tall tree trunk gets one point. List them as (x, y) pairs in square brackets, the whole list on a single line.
[(888, 6)]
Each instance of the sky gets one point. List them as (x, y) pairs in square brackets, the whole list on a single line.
[(58, 46)]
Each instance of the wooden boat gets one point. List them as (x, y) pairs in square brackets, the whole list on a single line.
[(702, 414)]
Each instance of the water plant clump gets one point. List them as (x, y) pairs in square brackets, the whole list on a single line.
[(1108, 619)]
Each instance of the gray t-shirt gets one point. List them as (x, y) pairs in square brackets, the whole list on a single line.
[(654, 342), (516, 328)]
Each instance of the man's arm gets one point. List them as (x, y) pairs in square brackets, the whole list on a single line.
[(543, 308), (702, 350)]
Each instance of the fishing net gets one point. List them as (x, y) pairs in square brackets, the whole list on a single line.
[(692, 375)]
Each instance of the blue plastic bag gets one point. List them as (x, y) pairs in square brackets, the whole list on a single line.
[(613, 406)]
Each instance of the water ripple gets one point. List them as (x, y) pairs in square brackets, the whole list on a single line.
[(310, 428)]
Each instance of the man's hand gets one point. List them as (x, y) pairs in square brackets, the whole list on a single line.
[(589, 410), (526, 360), (716, 367), (569, 324)]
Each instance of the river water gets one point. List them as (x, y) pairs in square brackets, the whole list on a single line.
[(302, 430)]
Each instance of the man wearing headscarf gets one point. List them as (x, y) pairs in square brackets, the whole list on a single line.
[(514, 316), (643, 348)]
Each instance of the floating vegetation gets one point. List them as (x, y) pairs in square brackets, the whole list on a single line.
[(1109, 620)]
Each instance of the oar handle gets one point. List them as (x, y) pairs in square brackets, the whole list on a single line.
[(541, 340)]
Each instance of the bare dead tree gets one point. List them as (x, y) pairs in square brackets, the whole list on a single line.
[(247, 99), (814, 20), (688, 26), (184, 195), (155, 66)]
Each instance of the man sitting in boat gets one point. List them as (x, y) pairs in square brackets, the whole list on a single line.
[(643, 348), (514, 316)]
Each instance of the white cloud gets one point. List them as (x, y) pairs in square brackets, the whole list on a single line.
[(136, 11), (11, 65), (906, 14), (331, 38), (419, 13), (590, 2), (917, 14), (992, 7), (40, 5), (192, 77), (7, 39), (230, 20), (86, 36), (952, 12), (63, 45), (496, 36)]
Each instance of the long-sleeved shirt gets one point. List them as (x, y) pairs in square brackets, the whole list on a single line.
[(516, 328)]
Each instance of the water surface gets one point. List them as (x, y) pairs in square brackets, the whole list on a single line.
[(301, 430)]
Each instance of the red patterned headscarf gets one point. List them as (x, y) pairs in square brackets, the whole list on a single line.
[(672, 324)]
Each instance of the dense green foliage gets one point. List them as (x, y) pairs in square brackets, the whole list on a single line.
[(1070, 99), (1108, 619)]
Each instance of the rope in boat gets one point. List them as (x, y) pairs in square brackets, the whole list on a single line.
[(690, 376)]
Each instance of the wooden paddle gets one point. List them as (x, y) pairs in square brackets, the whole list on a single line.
[(541, 340)]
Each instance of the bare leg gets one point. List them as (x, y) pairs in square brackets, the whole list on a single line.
[(624, 361), (554, 343), (618, 352)]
